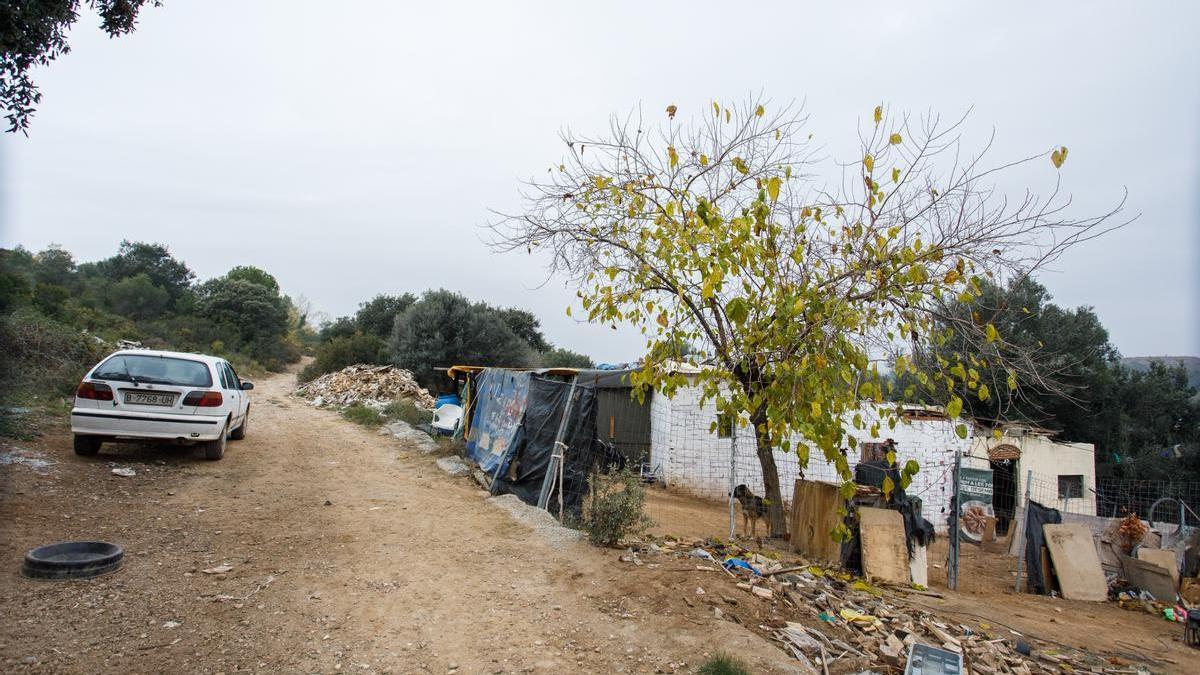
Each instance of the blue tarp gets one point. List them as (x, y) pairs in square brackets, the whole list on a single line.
[(500, 400)]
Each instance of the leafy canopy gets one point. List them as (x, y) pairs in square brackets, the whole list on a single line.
[(713, 234)]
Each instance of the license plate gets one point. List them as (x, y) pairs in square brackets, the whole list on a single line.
[(143, 398)]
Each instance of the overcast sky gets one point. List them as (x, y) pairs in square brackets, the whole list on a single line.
[(355, 148)]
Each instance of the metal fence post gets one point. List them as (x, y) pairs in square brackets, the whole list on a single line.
[(1024, 524), (732, 473), (952, 567), (556, 454)]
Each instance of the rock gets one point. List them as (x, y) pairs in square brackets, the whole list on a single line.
[(328, 503), (171, 624), (219, 569), (453, 465), (405, 433)]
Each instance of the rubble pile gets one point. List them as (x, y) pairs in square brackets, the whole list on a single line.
[(374, 386), (839, 621)]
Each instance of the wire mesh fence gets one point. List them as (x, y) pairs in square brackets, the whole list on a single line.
[(1154, 501)]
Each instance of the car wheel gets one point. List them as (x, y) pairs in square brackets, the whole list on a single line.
[(87, 446), (240, 432), (216, 449)]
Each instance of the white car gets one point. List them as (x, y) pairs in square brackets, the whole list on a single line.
[(155, 395)]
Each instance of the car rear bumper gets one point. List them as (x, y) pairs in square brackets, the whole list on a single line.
[(91, 422)]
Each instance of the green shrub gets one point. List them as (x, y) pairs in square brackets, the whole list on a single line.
[(617, 509), (43, 361), (364, 415), (340, 352), (407, 411), (723, 664)]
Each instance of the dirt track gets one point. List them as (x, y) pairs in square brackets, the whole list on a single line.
[(406, 570)]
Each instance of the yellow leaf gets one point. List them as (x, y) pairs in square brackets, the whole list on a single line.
[(703, 160), (896, 175), (716, 108), (878, 114), (773, 188), (662, 319), (1058, 157), (728, 115), (992, 334), (673, 155), (895, 139), (671, 110), (869, 162), (759, 112), (740, 166)]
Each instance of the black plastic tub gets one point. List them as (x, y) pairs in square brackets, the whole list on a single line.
[(72, 560)]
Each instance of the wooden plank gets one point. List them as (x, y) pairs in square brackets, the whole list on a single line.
[(814, 515), (1150, 578), (884, 554), (1075, 561), (1162, 557)]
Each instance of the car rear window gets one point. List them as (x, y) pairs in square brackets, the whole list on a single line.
[(155, 370)]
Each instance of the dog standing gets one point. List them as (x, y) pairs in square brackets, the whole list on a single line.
[(753, 508)]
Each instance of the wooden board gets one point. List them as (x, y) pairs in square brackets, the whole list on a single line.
[(814, 515), (1150, 578), (884, 554), (1162, 557), (918, 567), (1076, 563)]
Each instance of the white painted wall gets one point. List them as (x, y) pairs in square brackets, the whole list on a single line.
[(694, 459), (1048, 460)]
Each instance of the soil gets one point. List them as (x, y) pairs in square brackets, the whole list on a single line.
[(350, 552), (985, 598)]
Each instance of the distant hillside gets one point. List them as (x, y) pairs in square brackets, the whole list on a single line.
[(1192, 363)]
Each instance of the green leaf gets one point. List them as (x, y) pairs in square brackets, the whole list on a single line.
[(961, 431), (984, 393), (1012, 382), (888, 486), (1058, 157), (895, 139), (773, 186), (737, 310), (759, 111), (869, 163), (991, 333), (954, 407)]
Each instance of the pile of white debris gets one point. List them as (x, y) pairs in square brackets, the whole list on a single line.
[(374, 386)]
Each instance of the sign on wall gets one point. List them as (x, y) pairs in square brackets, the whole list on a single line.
[(975, 503)]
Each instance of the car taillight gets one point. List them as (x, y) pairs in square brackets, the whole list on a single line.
[(203, 399), (96, 391)]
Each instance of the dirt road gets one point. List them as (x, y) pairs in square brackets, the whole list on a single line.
[(403, 570)]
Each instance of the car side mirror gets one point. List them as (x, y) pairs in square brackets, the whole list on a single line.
[(247, 385)]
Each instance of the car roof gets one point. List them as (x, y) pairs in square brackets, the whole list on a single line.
[(166, 354)]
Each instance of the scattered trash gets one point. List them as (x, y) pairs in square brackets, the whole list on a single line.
[(31, 459), (171, 624), (701, 553), (219, 569), (124, 472), (374, 386)]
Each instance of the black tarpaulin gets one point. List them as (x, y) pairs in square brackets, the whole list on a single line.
[(1036, 516), (530, 456)]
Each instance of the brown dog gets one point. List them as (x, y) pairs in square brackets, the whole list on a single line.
[(753, 508)]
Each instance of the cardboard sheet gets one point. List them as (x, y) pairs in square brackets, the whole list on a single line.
[(1076, 563), (884, 553)]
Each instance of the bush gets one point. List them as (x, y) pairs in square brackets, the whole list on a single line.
[(364, 415), (617, 509), (407, 411), (42, 364), (723, 664), (340, 352)]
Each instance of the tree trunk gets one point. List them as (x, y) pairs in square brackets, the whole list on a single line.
[(770, 474)]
